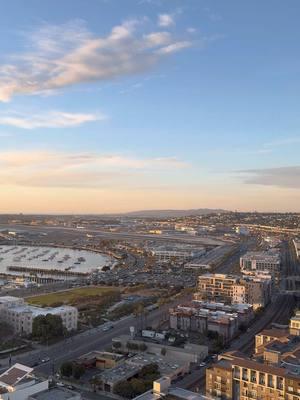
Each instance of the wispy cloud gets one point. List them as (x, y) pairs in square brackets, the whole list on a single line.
[(65, 55), (174, 47), (283, 141), (165, 20), (285, 177), (46, 168), (51, 119)]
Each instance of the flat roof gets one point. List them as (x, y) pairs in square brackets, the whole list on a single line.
[(55, 394), (9, 299), (27, 308), (274, 332), (14, 374)]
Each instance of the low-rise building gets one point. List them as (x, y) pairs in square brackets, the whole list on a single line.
[(19, 382), (20, 315), (132, 366), (100, 359), (206, 317), (162, 389), (188, 354), (56, 393)]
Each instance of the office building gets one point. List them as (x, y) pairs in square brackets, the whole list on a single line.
[(261, 261)]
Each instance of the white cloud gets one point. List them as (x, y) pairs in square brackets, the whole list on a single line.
[(60, 56), (51, 119), (165, 20), (49, 169), (174, 47)]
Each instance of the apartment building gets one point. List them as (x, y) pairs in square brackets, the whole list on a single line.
[(240, 378), (267, 336), (234, 289), (216, 287), (258, 290), (295, 324), (21, 315)]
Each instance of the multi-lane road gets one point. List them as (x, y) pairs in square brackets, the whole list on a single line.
[(82, 343)]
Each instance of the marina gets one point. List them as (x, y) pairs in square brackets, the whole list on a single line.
[(50, 261)]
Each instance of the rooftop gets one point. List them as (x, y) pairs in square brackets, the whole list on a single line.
[(14, 375), (275, 333), (55, 394), (35, 311), (266, 256)]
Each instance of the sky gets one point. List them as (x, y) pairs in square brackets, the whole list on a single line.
[(120, 105)]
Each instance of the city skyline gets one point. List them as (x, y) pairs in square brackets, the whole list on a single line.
[(112, 106)]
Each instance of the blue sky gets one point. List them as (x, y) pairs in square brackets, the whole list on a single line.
[(121, 105)]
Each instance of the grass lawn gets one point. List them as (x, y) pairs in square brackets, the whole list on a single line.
[(72, 297)]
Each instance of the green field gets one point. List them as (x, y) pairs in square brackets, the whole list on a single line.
[(73, 296)]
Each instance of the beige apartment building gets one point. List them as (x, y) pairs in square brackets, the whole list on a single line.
[(216, 287), (295, 324), (239, 378), (234, 289)]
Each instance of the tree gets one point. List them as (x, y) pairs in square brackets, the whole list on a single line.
[(124, 389), (66, 369), (138, 386), (132, 346), (149, 370), (142, 347), (77, 370), (45, 327), (117, 345)]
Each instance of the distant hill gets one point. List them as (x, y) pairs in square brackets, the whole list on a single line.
[(173, 213)]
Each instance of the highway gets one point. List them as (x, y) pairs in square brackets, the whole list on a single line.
[(227, 266)]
